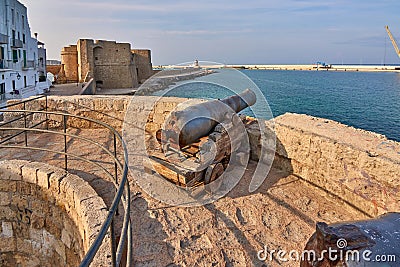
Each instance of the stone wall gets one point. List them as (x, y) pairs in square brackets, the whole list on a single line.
[(356, 166), (360, 167), (69, 58), (142, 60), (85, 58), (53, 69), (111, 64), (48, 217)]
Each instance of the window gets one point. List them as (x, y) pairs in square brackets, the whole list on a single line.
[(12, 16), (17, 17), (15, 56), (23, 38), (19, 36), (2, 91), (23, 22)]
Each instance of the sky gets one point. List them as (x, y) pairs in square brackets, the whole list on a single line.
[(227, 31)]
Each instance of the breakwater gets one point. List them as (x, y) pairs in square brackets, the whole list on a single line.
[(310, 67), (333, 67), (168, 77)]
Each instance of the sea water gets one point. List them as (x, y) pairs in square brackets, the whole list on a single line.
[(366, 100)]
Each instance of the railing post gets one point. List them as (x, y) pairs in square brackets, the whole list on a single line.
[(113, 244), (65, 142), (116, 166), (25, 124), (115, 162), (47, 116)]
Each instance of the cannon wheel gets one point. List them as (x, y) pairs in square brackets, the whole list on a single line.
[(213, 172)]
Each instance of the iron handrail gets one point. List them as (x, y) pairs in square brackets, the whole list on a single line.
[(21, 102), (123, 186)]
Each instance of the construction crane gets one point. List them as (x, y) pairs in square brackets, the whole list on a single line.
[(393, 41)]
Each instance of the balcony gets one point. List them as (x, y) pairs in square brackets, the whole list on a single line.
[(3, 39), (17, 43)]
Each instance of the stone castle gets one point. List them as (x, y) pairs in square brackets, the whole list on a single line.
[(110, 64)]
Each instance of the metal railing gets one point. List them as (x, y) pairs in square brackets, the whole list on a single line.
[(119, 177)]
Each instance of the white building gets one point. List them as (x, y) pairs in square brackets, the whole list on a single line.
[(22, 58)]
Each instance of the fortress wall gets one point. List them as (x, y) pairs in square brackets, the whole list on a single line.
[(48, 217), (144, 67), (358, 166), (69, 58), (53, 69), (113, 64)]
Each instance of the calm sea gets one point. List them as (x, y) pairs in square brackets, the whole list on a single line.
[(366, 100)]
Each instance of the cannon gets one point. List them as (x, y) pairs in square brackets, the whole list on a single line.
[(195, 143), (186, 126), (368, 243)]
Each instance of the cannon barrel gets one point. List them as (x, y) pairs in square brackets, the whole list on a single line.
[(188, 125)]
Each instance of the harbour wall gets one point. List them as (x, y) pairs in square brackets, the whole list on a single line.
[(354, 165), (333, 67)]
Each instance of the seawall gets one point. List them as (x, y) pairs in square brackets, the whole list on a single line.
[(367, 68), (333, 67)]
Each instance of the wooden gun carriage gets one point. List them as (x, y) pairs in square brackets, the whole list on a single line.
[(196, 143)]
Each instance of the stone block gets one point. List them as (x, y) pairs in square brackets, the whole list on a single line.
[(6, 213), (6, 230), (8, 186), (5, 198), (7, 244), (25, 246), (29, 174), (66, 238), (10, 170)]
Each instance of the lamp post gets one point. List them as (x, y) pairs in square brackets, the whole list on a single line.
[(16, 73)]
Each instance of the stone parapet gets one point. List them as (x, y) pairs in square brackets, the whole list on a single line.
[(48, 217), (358, 166)]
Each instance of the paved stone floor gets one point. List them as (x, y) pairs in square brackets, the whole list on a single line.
[(281, 214)]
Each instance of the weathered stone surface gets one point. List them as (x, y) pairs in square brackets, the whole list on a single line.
[(359, 166), (35, 224)]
